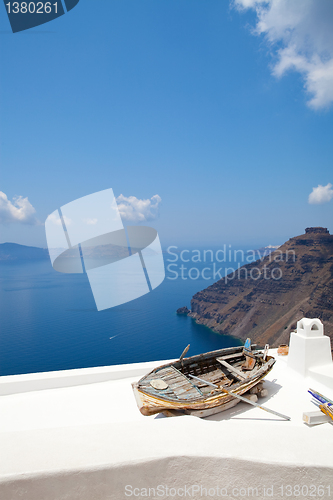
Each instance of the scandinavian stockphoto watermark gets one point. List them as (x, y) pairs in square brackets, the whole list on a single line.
[(225, 263), (235, 491), (87, 235)]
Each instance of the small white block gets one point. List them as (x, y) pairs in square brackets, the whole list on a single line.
[(315, 417)]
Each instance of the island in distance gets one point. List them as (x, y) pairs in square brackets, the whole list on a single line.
[(249, 304), (13, 252)]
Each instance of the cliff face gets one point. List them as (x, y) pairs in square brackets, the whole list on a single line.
[(264, 299)]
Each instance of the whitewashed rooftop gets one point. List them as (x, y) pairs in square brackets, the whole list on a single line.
[(79, 435)]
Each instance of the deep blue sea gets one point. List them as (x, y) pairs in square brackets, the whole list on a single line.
[(49, 321)]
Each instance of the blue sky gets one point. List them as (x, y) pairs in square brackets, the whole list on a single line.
[(176, 98)]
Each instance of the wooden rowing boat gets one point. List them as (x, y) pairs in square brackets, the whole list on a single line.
[(171, 389)]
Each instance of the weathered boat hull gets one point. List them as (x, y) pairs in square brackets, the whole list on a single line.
[(150, 402)]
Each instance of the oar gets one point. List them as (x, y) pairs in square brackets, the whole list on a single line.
[(240, 397), (183, 353)]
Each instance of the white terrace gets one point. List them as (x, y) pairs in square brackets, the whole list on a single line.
[(78, 435)]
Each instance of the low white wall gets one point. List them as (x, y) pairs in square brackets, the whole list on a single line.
[(203, 477), (13, 384)]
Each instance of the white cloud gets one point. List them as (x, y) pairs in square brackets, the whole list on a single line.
[(321, 194), (303, 34), (134, 210), (91, 222), (56, 220), (19, 210)]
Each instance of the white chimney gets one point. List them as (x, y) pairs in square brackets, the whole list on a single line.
[(309, 347)]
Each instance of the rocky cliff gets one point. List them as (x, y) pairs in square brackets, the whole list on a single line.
[(264, 299)]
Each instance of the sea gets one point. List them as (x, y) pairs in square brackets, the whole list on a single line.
[(49, 321)]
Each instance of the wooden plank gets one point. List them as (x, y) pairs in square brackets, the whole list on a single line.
[(232, 356), (172, 379), (179, 384), (185, 394), (199, 358), (189, 381), (232, 369), (216, 375), (207, 380), (165, 372)]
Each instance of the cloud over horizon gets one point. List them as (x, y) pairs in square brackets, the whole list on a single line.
[(321, 194), (133, 209), (19, 210), (302, 35)]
